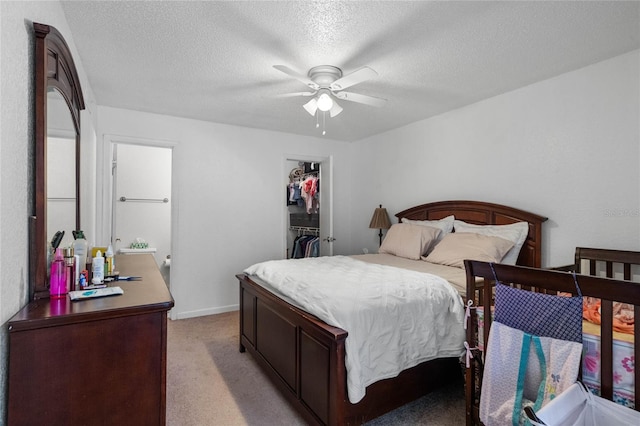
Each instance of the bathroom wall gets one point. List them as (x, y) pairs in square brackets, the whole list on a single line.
[(143, 173)]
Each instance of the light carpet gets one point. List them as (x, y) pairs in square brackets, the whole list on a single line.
[(209, 382)]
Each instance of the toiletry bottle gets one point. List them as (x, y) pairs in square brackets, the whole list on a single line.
[(58, 279), (83, 281), (81, 248), (78, 268), (89, 259), (70, 265), (109, 261), (97, 268)]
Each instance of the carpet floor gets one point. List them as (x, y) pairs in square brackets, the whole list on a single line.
[(209, 382)]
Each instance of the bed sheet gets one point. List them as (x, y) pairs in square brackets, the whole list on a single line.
[(455, 276), (396, 318)]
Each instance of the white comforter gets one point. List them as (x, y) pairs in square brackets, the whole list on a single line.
[(395, 318)]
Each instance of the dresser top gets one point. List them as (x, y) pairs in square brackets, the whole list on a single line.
[(150, 294)]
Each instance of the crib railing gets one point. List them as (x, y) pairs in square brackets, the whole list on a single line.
[(480, 285)]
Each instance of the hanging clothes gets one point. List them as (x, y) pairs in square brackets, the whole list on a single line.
[(294, 195), (303, 190), (306, 246), (309, 192)]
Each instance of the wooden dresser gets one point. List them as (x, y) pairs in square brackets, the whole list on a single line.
[(93, 362)]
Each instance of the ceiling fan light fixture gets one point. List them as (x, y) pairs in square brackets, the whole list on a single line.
[(327, 82), (325, 103), (335, 110), (311, 106)]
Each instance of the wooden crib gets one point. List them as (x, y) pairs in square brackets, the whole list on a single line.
[(601, 273)]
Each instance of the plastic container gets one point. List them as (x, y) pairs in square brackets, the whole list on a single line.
[(58, 278), (81, 248), (109, 262), (83, 280), (97, 268), (79, 267)]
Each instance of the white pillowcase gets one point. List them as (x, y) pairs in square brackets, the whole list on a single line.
[(445, 225), (515, 232), (409, 241)]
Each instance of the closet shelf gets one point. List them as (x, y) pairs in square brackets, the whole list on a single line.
[(305, 229)]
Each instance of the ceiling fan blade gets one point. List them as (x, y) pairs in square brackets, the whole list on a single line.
[(302, 78), (335, 109), (291, 95), (311, 106), (361, 99), (358, 76)]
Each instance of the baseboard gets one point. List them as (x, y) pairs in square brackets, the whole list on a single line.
[(203, 312)]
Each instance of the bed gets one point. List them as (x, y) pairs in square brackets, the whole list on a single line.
[(305, 357), (608, 355)]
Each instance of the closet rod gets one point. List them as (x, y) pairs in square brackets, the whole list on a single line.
[(152, 200)]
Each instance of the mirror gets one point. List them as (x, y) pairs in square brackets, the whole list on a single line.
[(61, 169), (58, 102)]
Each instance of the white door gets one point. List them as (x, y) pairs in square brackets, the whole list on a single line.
[(326, 210), (142, 197)]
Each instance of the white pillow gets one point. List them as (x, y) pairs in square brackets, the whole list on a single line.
[(458, 246), (515, 232), (409, 241), (445, 225)]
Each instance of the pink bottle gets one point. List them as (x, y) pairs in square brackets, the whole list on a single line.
[(58, 280)]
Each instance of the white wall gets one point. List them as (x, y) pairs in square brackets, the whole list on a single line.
[(16, 151), (229, 199), (143, 172), (567, 148)]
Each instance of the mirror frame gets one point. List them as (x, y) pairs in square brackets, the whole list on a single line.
[(53, 68)]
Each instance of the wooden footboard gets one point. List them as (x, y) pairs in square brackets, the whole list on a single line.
[(304, 357), (548, 281)]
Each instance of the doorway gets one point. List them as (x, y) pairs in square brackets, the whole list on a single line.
[(141, 202), (324, 210)]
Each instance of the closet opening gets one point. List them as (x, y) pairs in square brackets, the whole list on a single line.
[(308, 208)]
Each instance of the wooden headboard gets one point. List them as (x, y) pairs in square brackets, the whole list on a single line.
[(481, 213)]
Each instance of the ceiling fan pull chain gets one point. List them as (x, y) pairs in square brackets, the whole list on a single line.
[(317, 120), (324, 124)]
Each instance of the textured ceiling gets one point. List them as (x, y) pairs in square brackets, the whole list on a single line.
[(213, 60)]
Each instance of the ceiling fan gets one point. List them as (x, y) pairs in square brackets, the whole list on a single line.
[(327, 82)]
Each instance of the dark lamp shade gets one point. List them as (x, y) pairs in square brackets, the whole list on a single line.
[(380, 219)]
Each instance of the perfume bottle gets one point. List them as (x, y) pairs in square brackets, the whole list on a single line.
[(58, 279), (70, 265)]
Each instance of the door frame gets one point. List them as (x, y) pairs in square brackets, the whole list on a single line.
[(104, 190), (105, 186), (326, 174)]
